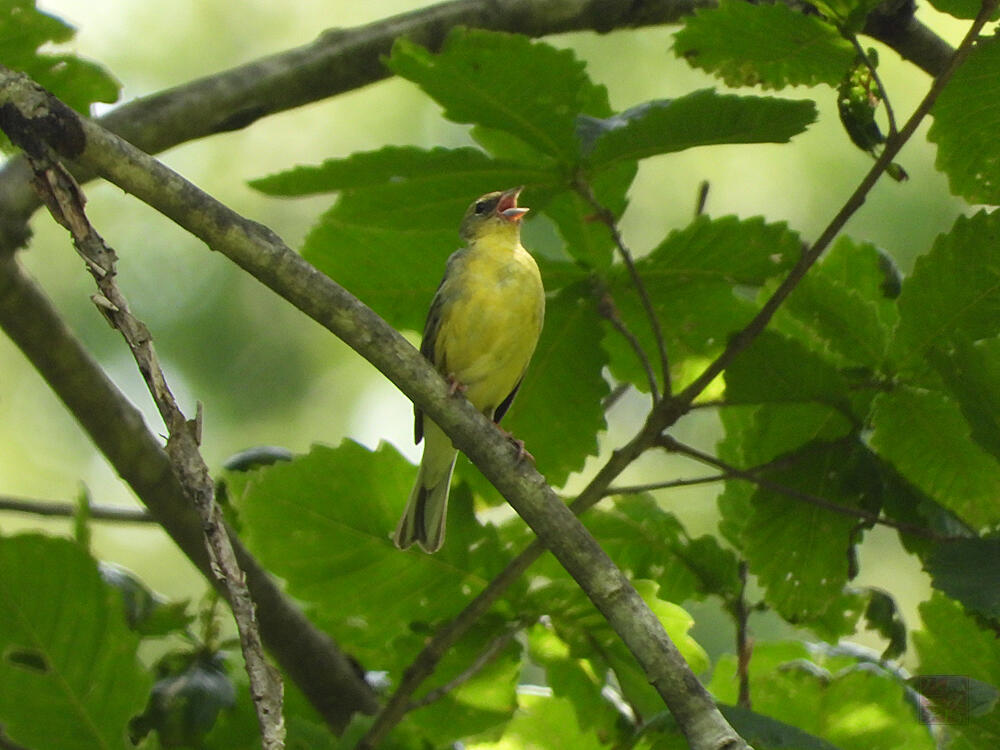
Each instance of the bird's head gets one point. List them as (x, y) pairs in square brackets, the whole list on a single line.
[(493, 213)]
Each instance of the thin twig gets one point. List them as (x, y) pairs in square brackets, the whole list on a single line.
[(65, 201), (491, 652), (699, 206), (637, 489), (744, 644), (609, 311), (606, 216), (616, 393), (883, 92), (675, 446), (60, 509)]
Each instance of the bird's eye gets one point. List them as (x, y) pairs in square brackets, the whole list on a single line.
[(481, 207)]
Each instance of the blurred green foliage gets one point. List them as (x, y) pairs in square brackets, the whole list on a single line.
[(871, 391)]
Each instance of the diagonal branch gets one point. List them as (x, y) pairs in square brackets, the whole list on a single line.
[(605, 215), (260, 252)]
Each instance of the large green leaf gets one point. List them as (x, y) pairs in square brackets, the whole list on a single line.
[(571, 678), (924, 435), (701, 118), (799, 551), (778, 369), (952, 646), (966, 118), (323, 522), (558, 410), (405, 173), (971, 372), (545, 721), (692, 279), (845, 306), (69, 675), (968, 570), (648, 542), (576, 621), (24, 29), (847, 703), (587, 241), (968, 9), (507, 82), (770, 45), (953, 292)]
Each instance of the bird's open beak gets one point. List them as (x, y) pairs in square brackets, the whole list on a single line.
[(508, 208)]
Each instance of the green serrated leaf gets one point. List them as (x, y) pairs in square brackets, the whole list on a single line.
[(923, 434), (69, 675), (968, 570), (971, 372), (323, 523), (778, 369), (79, 83), (701, 118), (966, 117), (415, 169), (544, 721), (967, 9), (813, 567), (479, 77), (587, 240), (761, 731), (840, 701), (646, 541), (768, 45), (953, 293), (957, 654), (845, 305), (692, 279), (558, 411), (953, 643), (589, 636), (572, 679)]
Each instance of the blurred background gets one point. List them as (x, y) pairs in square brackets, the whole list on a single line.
[(266, 374)]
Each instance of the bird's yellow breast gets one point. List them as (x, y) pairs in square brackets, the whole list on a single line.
[(493, 304)]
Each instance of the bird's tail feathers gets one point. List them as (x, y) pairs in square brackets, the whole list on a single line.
[(423, 521)]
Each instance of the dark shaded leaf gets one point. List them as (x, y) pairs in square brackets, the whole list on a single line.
[(968, 570), (966, 117), (701, 118), (768, 45), (479, 77), (69, 675)]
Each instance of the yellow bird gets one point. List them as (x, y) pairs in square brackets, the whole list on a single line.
[(481, 331)]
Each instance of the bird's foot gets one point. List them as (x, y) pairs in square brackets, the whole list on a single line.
[(522, 452), (454, 385)]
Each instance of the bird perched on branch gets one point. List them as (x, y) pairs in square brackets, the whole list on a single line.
[(481, 331)]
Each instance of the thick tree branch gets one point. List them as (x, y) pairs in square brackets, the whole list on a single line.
[(260, 252), (343, 60)]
